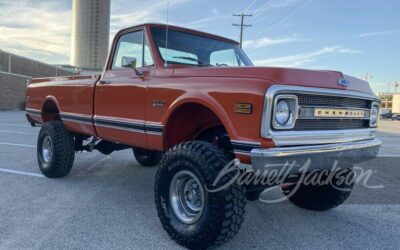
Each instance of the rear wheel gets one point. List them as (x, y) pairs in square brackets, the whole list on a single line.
[(332, 192), (147, 158), (55, 150), (193, 216)]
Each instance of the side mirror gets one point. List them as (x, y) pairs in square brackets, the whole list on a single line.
[(128, 62)]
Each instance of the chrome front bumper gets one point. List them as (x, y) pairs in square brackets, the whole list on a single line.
[(313, 156)]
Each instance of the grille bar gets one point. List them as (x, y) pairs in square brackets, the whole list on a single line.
[(332, 101), (330, 124)]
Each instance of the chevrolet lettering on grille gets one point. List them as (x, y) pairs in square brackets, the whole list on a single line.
[(338, 113)]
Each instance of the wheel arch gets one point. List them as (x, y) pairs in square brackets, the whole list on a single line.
[(50, 110), (206, 113)]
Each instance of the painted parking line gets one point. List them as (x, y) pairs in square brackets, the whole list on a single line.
[(10, 171), (15, 132), (17, 145)]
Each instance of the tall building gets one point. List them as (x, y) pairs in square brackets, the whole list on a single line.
[(90, 33)]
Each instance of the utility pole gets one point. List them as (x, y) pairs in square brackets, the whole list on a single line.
[(396, 84), (241, 25)]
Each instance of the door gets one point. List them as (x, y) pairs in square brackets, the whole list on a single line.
[(120, 95)]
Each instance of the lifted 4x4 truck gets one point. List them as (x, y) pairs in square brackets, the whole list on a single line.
[(191, 102)]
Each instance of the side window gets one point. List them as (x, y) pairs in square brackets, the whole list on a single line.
[(224, 57), (129, 45)]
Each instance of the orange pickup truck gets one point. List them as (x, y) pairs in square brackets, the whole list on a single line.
[(192, 103)]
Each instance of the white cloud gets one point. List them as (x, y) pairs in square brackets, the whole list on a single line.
[(302, 59), (143, 11), (350, 51), (267, 41), (215, 11), (42, 29), (36, 30), (378, 33)]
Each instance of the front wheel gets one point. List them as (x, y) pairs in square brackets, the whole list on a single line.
[(332, 190), (191, 214), (55, 150)]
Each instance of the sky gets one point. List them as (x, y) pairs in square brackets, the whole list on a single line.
[(358, 37)]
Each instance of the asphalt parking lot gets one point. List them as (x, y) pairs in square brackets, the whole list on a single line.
[(107, 203)]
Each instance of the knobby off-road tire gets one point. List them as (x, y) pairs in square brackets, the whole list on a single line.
[(55, 150), (322, 197), (222, 213), (147, 158)]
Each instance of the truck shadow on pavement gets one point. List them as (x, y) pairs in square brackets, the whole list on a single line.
[(120, 184), (108, 202)]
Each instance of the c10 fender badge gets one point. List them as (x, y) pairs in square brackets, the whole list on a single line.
[(343, 82), (243, 108)]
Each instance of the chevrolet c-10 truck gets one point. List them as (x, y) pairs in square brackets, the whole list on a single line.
[(190, 103)]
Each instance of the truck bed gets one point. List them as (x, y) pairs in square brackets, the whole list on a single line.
[(71, 95)]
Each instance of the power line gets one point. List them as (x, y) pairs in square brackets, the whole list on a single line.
[(262, 8), (251, 4), (241, 25), (294, 11)]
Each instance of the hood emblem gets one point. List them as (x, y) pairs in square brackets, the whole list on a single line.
[(343, 82)]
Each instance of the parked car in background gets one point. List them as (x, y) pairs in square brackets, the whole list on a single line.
[(385, 113), (396, 117)]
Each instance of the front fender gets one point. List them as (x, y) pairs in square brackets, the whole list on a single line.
[(206, 101)]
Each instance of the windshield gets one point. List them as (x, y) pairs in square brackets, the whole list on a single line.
[(191, 49)]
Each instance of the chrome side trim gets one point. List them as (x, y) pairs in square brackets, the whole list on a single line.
[(138, 126), (286, 138), (33, 111), (76, 118)]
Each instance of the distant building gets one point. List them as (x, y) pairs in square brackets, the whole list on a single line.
[(390, 101), (90, 33), (16, 73)]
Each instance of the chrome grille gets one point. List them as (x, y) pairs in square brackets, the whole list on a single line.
[(307, 101), (330, 124), (332, 101)]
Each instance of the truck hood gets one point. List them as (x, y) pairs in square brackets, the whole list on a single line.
[(281, 76)]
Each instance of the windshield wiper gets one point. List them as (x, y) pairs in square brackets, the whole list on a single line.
[(193, 60)]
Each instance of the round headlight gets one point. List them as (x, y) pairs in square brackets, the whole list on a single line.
[(374, 115), (282, 112)]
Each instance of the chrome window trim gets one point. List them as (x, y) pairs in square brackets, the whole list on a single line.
[(285, 138)]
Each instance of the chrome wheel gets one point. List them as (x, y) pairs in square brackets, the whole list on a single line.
[(47, 150), (186, 197)]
